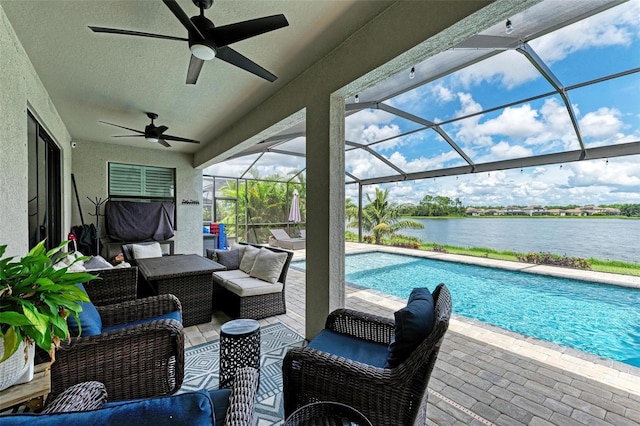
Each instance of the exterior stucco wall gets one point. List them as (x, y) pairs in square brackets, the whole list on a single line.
[(90, 169), (22, 90)]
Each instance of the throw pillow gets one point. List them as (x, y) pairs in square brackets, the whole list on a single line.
[(211, 255), (145, 251), (240, 247), (248, 258), (413, 324), (229, 258), (268, 265), (90, 321), (97, 262), (83, 396)]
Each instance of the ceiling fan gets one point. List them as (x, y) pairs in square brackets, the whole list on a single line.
[(152, 133), (207, 41)]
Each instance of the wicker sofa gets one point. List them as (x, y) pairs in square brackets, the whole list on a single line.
[(241, 295), (86, 403)]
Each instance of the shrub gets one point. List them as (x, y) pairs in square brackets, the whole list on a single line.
[(545, 258), (404, 241), (439, 248)]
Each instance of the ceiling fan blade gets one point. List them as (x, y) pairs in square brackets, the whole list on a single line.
[(128, 136), (178, 139), (134, 33), (229, 55), (232, 33), (122, 127), (164, 143), (182, 17), (195, 65), (161, 129)]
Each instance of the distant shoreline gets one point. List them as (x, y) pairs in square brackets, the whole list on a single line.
[(525, 217)]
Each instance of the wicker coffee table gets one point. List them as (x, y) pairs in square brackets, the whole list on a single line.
[(239, 347), (189, 277)]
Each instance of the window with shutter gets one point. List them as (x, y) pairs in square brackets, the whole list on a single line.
[(131, 182)]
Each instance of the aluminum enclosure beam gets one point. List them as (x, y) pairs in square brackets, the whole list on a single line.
[(612, 151)]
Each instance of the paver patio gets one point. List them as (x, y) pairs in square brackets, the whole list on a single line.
[(486, 375)]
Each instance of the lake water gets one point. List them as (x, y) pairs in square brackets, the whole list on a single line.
[(606, 239)]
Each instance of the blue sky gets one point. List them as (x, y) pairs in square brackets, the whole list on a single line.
[(608, 113)]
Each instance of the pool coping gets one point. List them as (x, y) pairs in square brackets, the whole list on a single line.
[(612, 373)]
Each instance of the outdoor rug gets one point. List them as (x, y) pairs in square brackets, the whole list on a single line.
[(201, 370)]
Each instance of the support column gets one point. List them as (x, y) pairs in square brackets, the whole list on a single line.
[(325, 211)]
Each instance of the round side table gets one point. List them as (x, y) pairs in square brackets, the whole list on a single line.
[(326, 413), (239, 347)]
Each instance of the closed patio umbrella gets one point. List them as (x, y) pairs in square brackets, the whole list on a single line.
[(294, 211)]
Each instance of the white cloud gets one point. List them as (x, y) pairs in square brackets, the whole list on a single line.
[(517, 122), (509, 69), (442, 93), (502, 151), (370, 125), (603, 123), (617, 26)]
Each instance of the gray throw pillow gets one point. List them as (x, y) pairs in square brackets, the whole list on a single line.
[(97, 262), (248, 259), (228, 258), (268, 265), (211, 254)]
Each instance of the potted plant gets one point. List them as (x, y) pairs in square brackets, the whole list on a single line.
[(35, 301)]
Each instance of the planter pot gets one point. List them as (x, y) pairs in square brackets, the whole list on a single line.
[(16, 369)]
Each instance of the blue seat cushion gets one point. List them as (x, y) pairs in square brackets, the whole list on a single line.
[(414, 322), (220, 398), (346, 346), (90, 320), (190, 408), (171, 315)]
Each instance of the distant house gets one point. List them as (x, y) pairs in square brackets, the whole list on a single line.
[(471, 211), (557, 212), (514, 211), (575, 212), (535, 211), (591, 210)]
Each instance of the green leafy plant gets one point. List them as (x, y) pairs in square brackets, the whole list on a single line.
[(36, 299), (544, 258)]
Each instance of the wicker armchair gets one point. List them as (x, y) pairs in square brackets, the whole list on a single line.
[(386, 396), (115, 286), (137, 361)]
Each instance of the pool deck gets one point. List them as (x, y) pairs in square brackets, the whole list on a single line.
[(486, 375)]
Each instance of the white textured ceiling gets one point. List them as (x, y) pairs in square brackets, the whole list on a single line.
[(118, 78)]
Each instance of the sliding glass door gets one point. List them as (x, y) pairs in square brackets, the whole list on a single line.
[(44, 180)]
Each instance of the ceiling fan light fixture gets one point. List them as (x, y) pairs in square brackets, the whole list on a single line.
[(203, 52), (151, 139)]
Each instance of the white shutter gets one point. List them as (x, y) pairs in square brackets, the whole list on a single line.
[(130, 180)]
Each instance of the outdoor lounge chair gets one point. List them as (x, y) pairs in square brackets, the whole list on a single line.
[(284, 241), (346, 363)]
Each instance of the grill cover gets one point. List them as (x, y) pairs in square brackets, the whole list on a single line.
[(131, 221)]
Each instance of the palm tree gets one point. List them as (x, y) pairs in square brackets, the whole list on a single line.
[(383, 217)]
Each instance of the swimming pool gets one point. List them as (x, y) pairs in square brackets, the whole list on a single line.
[(600, 319)]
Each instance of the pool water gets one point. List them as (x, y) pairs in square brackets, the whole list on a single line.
[(600, 319)]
